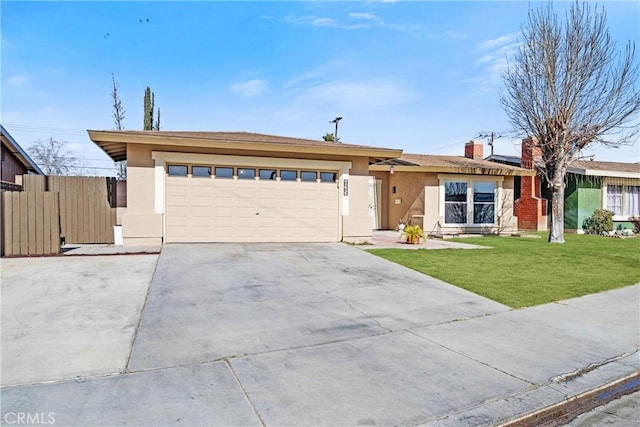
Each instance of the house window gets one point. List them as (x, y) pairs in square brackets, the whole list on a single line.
[(224, 172), (484, 198), (308, 176), (455, 202), (244, 173), (178, 170), (623, 200), (268, 174), (288, 175), (201, 171), (327, 177)]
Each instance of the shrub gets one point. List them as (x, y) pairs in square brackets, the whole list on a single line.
[(600, 222), (636, 224)]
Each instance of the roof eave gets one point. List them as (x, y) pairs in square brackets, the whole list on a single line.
[(113, 142), (454, 169), (596, 172), (20, 153)]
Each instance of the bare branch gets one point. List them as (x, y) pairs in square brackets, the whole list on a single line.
[(569, 87), (54, 159)]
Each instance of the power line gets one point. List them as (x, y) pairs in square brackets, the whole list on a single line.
[(491, 136), (45, 129)]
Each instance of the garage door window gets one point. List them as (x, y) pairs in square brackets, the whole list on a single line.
[(224, 172), (268, 174), (201, 171), (244, 173), (288, 175), (327, 177), (308, 176), (177, 170)]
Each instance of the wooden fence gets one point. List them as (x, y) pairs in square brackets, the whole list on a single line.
[(31, 223), (85, 212), (87, 205)]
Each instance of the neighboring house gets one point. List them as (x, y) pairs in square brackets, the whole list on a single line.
[(447, 194), (592, 185), (15, 162), (589, 185), (241, 187)]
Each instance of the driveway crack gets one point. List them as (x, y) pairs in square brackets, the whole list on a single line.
[(461, 353), (244, 392), (376, 321)]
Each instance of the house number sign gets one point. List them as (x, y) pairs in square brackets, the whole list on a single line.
[(345, 192)]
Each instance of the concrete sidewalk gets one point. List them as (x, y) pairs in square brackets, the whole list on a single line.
[(320, 334)]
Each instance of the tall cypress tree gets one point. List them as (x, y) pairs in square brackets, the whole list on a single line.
[(148, 109), (157, 125), (149, 105)]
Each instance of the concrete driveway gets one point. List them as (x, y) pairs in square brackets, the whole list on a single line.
[(304, 334)]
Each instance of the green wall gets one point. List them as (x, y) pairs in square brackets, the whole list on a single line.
[(583, 195)]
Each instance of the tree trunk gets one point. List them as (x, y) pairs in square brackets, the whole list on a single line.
[(556, 234)]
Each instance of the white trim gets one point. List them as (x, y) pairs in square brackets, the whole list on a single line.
[(469, 180), (159, 186), (277, 162), (604, 173), (604, 199)]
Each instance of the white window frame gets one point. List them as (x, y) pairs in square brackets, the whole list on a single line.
[(625, 199), (469, 180)]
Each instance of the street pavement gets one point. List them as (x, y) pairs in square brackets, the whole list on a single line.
[(290, 334)]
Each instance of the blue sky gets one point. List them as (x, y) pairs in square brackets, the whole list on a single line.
[(421, 76)]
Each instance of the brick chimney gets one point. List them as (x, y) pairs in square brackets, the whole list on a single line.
[(530, 152), (473, 150), (531, 207)]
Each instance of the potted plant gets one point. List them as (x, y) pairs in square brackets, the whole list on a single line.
[(413, 234)]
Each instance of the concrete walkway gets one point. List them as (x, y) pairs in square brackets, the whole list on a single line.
[(306, 334), (383, 239)]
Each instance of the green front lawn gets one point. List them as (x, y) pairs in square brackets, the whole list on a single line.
[(521, 272)]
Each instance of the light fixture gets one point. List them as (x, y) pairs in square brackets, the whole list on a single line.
[(391, 169)]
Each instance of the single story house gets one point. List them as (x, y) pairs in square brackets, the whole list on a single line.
[(589, 185), (592, 185), (447, 194), (15, 162), (241, 187)]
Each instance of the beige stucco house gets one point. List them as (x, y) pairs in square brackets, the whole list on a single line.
[(242, 187), (447, 194)]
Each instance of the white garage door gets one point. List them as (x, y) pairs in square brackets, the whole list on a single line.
[(206, 209)]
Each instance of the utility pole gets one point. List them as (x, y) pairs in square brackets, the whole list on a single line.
[(491, 136), (335, 135)]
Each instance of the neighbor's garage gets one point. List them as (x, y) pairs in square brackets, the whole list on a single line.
[(209, 203)]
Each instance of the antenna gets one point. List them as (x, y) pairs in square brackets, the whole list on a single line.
[(335, 135), (491, 136)]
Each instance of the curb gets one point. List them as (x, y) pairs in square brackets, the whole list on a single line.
[(564, 412)]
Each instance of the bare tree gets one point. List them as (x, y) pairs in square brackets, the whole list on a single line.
[(569, 87), (118, 121), (54, 159)]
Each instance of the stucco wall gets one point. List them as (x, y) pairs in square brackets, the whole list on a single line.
[(419, 195), (142, 223)]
